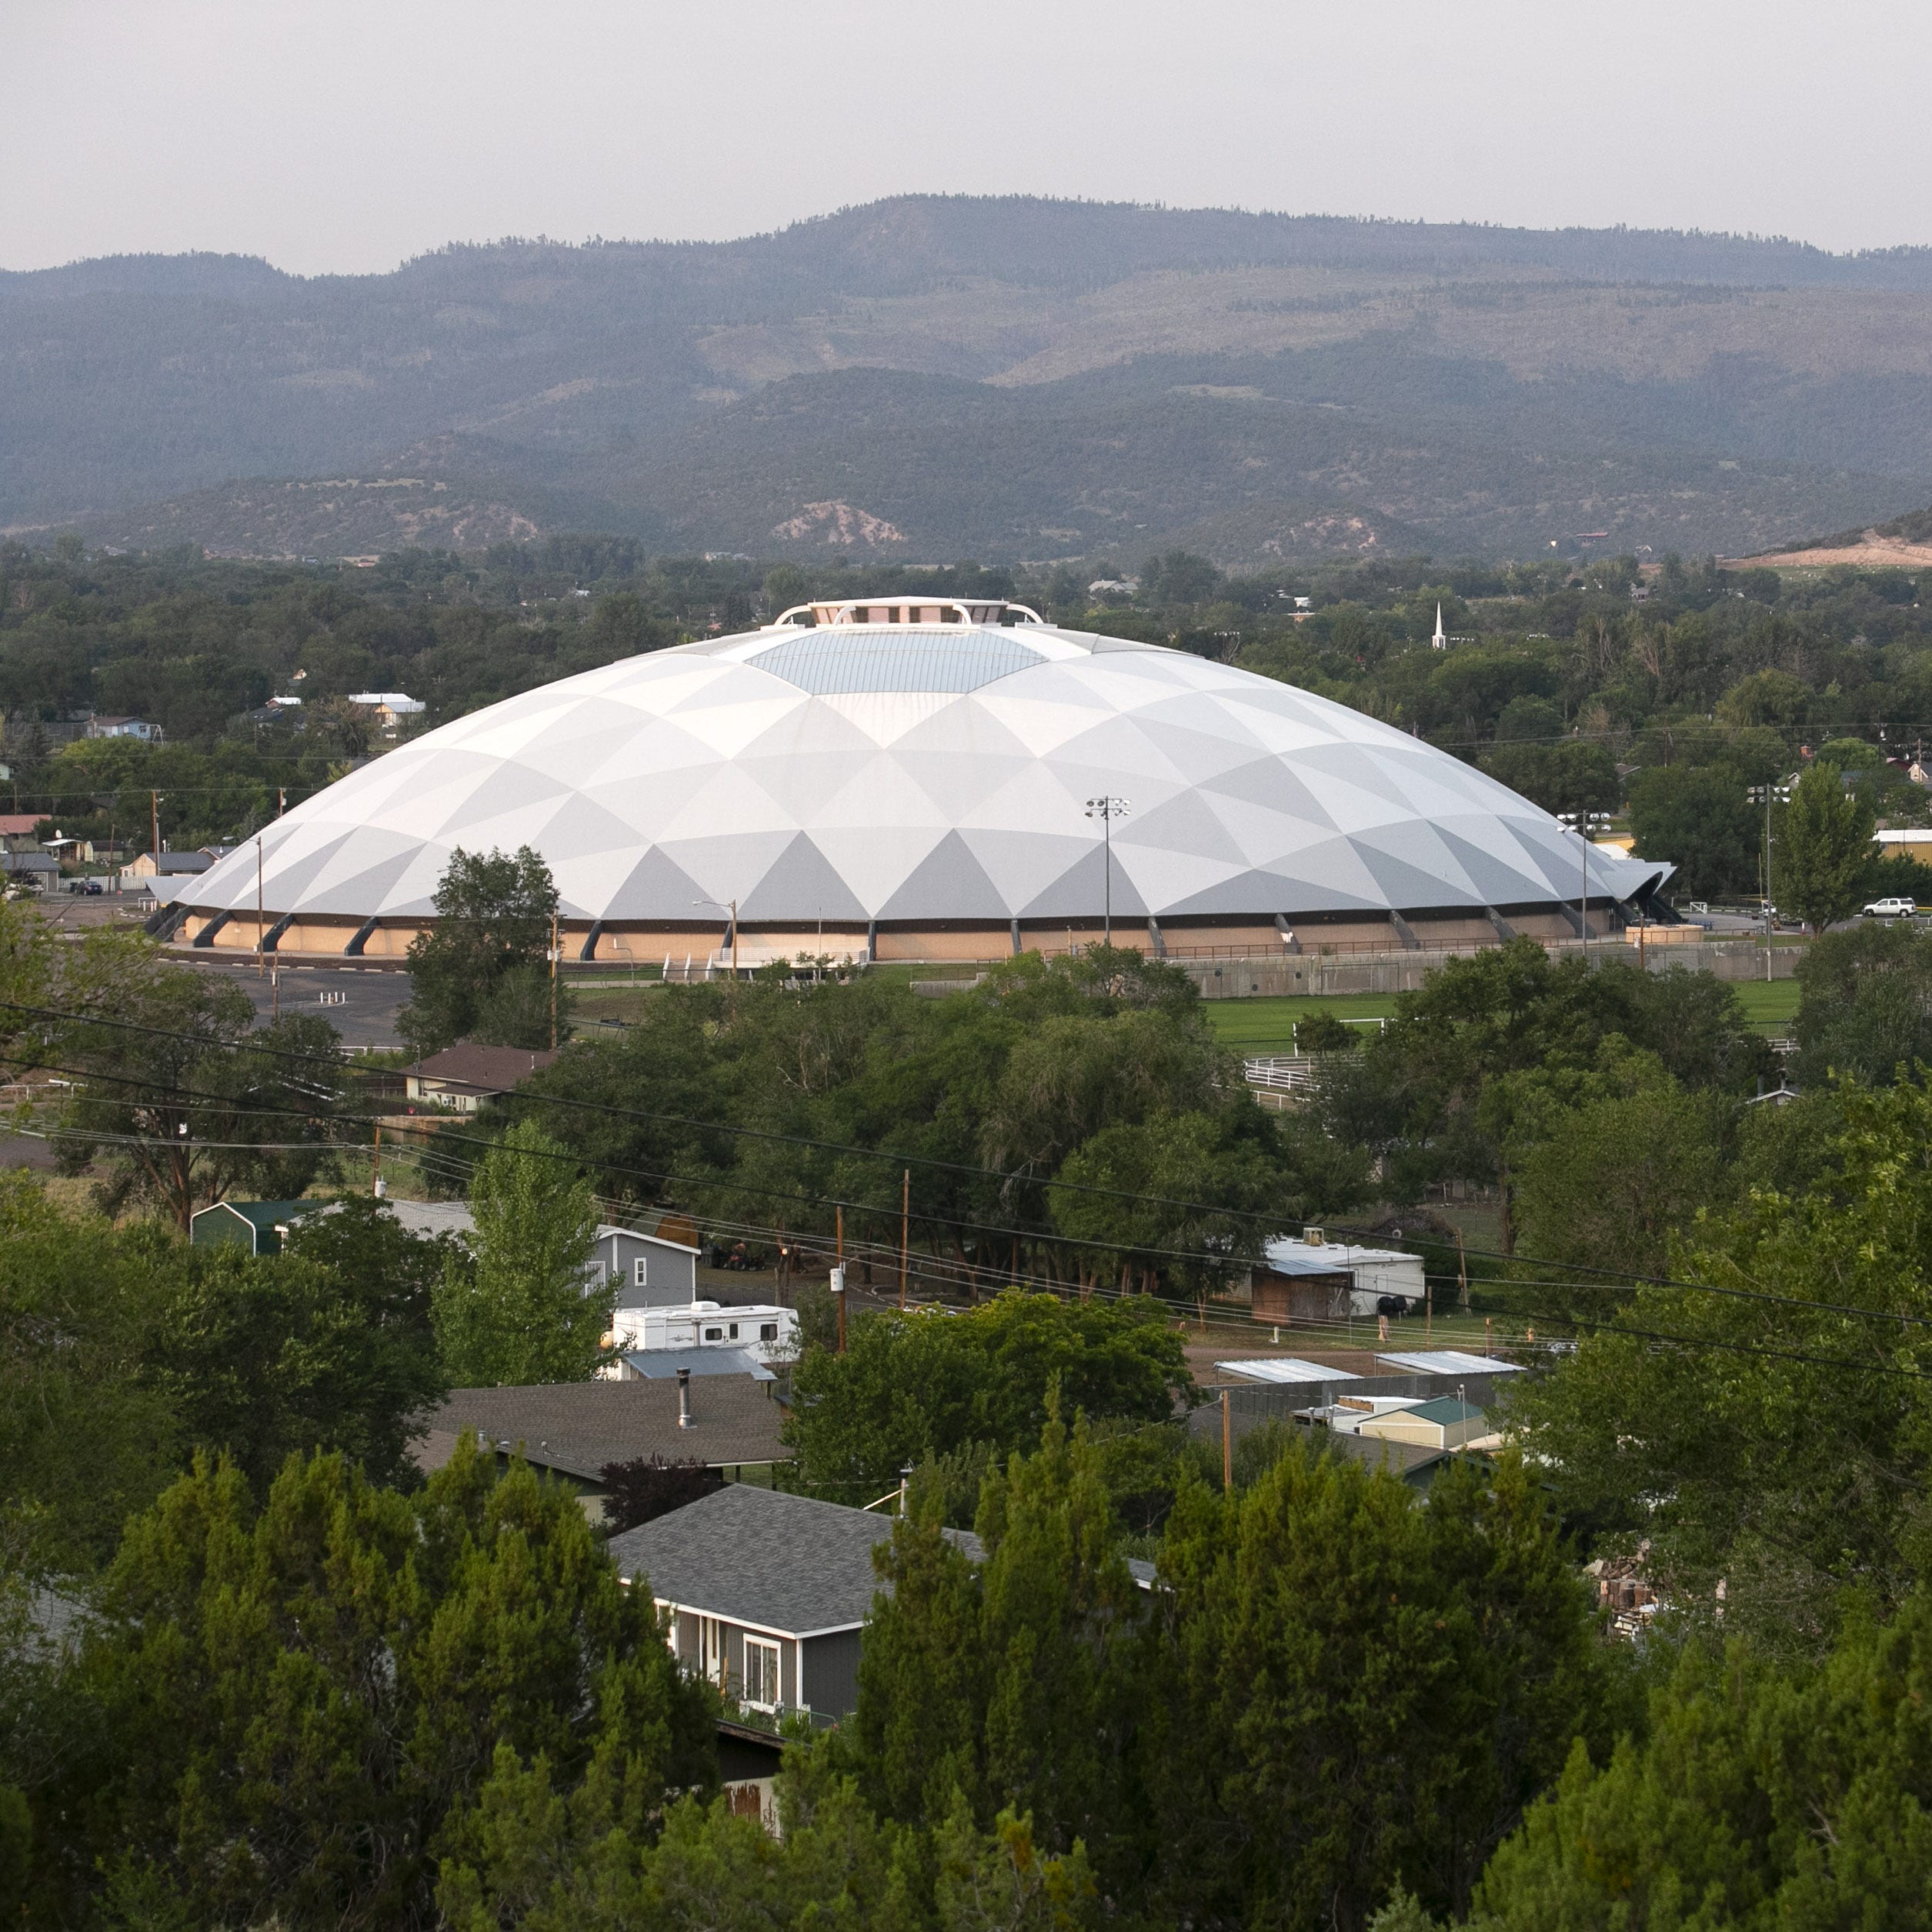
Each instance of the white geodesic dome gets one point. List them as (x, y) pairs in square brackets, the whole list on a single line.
[(923, 772)]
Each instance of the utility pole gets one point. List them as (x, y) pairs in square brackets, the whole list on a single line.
[(1106, 810), (154, 827), (839, 1274), (1227, 1447), (904, 1228)]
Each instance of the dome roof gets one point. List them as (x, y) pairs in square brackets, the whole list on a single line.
[(930, 771)]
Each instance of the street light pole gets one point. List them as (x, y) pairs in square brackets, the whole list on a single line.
[(728, 906), (1106, 810)]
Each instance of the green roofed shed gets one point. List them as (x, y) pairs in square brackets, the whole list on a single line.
[(252, 1225)]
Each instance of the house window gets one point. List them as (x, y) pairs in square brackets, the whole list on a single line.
[(638, 1278), (594, 1274), (711, 1649), (761, 1673)]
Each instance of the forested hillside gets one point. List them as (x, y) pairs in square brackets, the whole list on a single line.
[(1018, 379)]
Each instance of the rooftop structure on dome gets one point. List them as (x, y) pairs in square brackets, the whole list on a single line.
[(907, 777)]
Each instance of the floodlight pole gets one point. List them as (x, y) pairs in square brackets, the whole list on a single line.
[(1579, 821), (1106, 810)]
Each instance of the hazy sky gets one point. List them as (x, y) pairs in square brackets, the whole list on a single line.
[(347, 135)]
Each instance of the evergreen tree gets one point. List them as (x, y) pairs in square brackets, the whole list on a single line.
[(1758, 1799), (293, 1712)]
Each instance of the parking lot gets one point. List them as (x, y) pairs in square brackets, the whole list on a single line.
[(361, 1003)]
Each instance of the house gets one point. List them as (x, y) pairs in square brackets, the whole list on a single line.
[(390, 707), (430, 1219), (101, 726), (1447, 1423), (36, 870), (18, 830), (257, 1225), (1301, 1279), (466, 1075), (574, 1430), (167, 865), (767, 1593), (69, 852), (1904, 842), (646, 1270)]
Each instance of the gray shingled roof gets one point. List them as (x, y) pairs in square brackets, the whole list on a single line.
[(780, 1563), (580, 1426)]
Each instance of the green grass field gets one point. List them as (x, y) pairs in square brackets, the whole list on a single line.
[(1772, 1006), (1267, 1025)]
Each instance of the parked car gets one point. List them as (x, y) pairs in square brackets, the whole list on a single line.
[(1892, 908)]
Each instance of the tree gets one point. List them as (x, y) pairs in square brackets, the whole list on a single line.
[(1607, 1168), (473, 974), (1700, 819), (1181, 1195), (1009, 1686), (182, 1098), (523, 1310), (295, 1710), (1759, 1797), (928, 1383), (1418, 1095), (1865, 1004), (1365, 1689), (1577, 775), (1178, 577), (647, 1487), (1772, 1435), (1821, 847), (327, 1346), (85, 1437)]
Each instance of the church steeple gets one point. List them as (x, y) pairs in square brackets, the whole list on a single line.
[(1439, 641)]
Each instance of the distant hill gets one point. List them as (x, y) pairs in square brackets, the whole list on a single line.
[(1902, 542), (932, 377)]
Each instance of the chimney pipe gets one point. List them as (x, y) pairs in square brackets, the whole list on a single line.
[(684, 1398)]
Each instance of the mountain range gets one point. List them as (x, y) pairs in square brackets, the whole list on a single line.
[(932, 378)]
